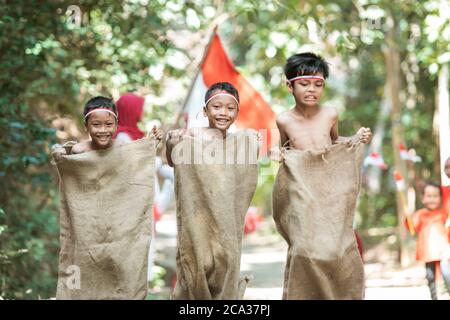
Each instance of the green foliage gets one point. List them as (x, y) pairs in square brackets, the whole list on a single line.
[(158, 277), (28, 240), (266, 178)]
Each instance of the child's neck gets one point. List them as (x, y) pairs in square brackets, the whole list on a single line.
[(95, 146), (217, 133), (307, 111)]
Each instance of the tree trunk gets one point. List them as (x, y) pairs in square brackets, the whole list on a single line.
[(373, 172), (393, 79), (443, 118)]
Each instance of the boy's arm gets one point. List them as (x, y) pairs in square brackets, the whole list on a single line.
[(334, 133), (173, 137), (169, 149), (283, 136), (363, 134), (57, 152), (156, 134), (276, 153)]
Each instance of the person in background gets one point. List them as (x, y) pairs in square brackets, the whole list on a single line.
[(130, 108), (432, 242)]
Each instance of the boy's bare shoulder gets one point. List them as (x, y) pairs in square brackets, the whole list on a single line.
[(284, 117), (332, 112)]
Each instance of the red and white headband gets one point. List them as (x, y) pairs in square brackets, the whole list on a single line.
[(307, 78), (222, 93), (100, 109)]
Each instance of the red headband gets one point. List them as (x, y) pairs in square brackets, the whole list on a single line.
[(307, 78), (100, 109), (221, 93)]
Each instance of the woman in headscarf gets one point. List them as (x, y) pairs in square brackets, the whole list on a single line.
[(130, 108)]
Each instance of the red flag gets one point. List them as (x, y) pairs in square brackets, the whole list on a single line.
[(254, 112)]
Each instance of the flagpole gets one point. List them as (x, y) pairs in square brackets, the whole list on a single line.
[(199, 68), (400, 184)]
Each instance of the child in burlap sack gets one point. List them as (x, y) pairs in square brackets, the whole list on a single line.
[(106, 194), (316, 188), (215, 179)]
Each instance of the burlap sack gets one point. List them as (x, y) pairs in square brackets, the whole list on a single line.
[(105, 219), (214, 185), (314, 199)]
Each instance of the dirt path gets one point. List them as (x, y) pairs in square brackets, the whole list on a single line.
[(264, 256)]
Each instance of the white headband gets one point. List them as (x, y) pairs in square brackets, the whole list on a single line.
[(99, 109), (307, 78), (221, 94)]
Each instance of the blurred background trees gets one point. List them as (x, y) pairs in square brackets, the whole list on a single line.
[(385, 58)]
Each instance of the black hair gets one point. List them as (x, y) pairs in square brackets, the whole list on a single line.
[(305, 64), (222, 86), (432, 184), (99, 102)]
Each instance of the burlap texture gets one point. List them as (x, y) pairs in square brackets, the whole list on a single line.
[(105, 219), (314, 200), (212, 200)]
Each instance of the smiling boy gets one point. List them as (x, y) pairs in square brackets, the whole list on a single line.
[(100, 120), (212, 198), (106, 196), (221, 108)]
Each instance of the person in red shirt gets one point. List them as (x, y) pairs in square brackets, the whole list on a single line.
[(445, 264), (432, 244), (446, 197)]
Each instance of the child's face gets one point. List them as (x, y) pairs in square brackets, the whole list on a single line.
[(447, 167), (221, 112), (431, 198), (101, 126), (307, 92)]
